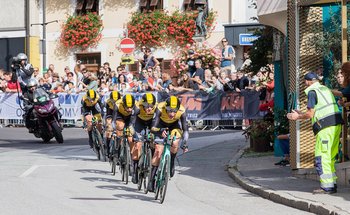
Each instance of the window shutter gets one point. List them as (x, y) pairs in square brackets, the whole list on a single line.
[(90, 4), (143, 3), (154, 3), (80, 4)]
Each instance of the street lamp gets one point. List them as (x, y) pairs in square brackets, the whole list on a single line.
[(43, 45)]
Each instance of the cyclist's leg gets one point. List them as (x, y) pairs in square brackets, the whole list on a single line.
[(136, 147), (119, 125), (108, 134), (174, 148), (98, 117), (88, 120)]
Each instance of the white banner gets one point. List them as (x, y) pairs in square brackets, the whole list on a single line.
[(69, 104)]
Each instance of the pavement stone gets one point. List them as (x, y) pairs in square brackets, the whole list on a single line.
[(259, 175)]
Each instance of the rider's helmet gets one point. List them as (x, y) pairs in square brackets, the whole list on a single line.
[(172, 104), (114, 95), (32, 83), (148, 99), (22, 56), (128, 101), (91, 95)]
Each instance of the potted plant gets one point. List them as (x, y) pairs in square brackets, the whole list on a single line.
[(261, 134)]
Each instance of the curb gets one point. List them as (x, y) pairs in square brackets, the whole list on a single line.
[(276, 196)]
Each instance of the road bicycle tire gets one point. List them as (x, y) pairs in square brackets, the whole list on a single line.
[(95, 144), (127, 162), (101, 146), (165, 179), (147, 174)]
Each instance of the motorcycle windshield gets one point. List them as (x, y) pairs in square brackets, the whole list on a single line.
[(40, 96)]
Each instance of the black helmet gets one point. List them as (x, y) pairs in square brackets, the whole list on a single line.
[(148, 99), (128, 101), (172, 104), (114, 95), (91, 94)]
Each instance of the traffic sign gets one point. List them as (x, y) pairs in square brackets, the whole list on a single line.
[(127, 45), (127, 60)]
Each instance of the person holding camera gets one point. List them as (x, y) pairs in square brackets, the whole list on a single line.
[(22, 69)]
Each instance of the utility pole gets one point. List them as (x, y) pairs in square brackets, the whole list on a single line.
[(344, 48)]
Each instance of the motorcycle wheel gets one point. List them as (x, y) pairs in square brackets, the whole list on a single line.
[(46, 138), (57, 132)]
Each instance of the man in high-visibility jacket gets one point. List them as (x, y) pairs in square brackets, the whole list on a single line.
[(326, 125)]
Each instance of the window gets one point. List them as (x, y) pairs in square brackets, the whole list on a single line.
[(191, 4), (84, 6), (92, 61), (150, 5)]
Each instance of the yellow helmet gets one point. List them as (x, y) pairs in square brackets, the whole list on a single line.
[(172, 104), (128, 101), (148, 99), (114, 95), (91, 94)]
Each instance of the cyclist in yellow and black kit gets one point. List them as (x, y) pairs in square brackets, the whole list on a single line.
[(91, 104), (169, 115), (124, 117), (114, 96), (145, 110)]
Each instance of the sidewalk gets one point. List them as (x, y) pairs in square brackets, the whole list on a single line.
[(259, 175)]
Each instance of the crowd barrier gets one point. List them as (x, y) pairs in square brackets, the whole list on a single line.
[(206, 111)]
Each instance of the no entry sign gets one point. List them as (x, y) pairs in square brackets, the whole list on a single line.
[(127, 45)]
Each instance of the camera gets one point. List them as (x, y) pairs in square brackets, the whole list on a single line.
[(15, 63)]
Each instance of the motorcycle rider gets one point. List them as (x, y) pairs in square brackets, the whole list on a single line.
[(23, 70), (28, 101)]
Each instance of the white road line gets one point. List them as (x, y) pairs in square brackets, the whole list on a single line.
[(34, 167)]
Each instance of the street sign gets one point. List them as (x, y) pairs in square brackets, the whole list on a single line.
[(247, 39), (127, 45), (128, 60)]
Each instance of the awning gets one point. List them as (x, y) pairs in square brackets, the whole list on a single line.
[(273, 13), (316, 2)]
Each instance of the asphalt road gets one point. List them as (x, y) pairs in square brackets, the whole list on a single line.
[(43, 179)]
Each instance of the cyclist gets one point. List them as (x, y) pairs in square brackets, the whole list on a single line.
[(169, 115), (91, 103), (124, 117), (114, 96), (146, 108)]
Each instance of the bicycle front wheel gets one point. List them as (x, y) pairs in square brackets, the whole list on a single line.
[(95, 144), (164, 179), (127, 162), (101, 146), (147, 172)]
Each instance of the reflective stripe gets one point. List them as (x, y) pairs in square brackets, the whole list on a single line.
[(330, 104), (327, 185), (326, 176)]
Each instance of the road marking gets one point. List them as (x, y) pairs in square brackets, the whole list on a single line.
[(34, 167)]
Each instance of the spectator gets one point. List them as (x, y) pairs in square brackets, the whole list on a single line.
[(43, 83), (36, 74), (191, 62), (70, 87), (157, 82), (69, 79), (223, 77), (246, 62), (107, 67), (78, 74), (242, 82), (50, 70), (47, 77), (284, 143), (185, 83), (121, 82), (149, 60), (58, 89), (217, 71), (102, 74), (208, 85), (10, 87), (232, 84), (228, 54), (55, 78), (167, 84), (93, 85), (198, 76)]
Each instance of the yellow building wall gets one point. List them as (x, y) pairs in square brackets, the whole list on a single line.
[(34, 56)]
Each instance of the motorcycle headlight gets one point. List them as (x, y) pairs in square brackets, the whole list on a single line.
[(42, 110)]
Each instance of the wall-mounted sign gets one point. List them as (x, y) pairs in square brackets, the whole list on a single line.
[(247, 39)]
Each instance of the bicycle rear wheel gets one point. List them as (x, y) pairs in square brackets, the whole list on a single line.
[(101, 146), (147, 172), (165, 179), (95, 144)]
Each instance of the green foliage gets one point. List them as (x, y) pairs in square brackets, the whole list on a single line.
[(260, 53)]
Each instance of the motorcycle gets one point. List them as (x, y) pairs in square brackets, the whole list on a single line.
[(45, 116)]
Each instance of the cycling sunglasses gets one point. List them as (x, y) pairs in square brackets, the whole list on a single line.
[(171, 110), (147, 105)]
